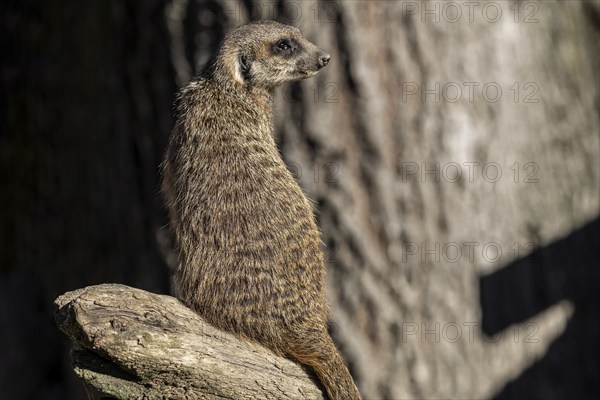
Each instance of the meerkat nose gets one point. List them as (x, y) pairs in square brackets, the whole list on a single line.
[(323, 59)]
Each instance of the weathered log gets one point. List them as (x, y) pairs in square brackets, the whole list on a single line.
[(133, 344)]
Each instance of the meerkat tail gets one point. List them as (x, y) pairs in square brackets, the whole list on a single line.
[(331, 370), (337, 379)]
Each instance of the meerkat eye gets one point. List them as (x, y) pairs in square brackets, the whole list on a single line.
[(284, 45)]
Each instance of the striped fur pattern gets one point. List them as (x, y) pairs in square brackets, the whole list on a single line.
[(249, 251)]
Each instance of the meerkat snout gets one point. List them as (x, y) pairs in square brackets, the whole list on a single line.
[(324, 58)]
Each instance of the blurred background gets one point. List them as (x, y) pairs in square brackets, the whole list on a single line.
[(452, 150)]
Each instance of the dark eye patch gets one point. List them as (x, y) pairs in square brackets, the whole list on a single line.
[(285, 46)]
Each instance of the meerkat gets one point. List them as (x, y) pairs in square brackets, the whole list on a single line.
[(250, 260)]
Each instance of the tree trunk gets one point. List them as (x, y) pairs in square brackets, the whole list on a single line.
[(451, 148), (439, 152)]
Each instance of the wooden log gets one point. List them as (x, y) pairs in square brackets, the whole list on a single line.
[(130, 344)]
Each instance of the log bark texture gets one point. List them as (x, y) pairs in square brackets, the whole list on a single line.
[(133, 344)]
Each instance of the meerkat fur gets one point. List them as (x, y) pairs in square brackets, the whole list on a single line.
[(250, 260)]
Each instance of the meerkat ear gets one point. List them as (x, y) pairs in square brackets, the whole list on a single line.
[(238, 65), (244, 66)]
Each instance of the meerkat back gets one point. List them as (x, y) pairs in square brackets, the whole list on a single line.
[(249, 251)]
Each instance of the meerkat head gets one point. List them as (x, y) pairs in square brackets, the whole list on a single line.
[(267, 54)]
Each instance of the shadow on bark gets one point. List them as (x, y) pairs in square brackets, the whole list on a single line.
[(566, 269)]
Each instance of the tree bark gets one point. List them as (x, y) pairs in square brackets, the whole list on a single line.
[(424, 187), (134, 344)]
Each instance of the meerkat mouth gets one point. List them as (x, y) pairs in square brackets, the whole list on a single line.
[(307, 73)]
